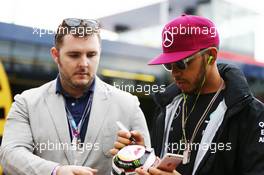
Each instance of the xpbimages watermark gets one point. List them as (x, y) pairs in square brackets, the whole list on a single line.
[(169, 32), (212, 147), (146, 89), (80, 31), (58, 146)]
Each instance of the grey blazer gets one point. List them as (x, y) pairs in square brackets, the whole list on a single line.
[(36, 135)]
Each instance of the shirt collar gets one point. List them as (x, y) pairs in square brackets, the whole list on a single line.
[(59, 88)]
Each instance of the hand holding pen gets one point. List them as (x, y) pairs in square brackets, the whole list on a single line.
[(126, 137)]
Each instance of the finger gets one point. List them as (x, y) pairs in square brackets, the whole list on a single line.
[(138, 137), (118, 145), (123, 140), (82, 171), (113, 151), (156, 171), (124, 134), (140, 171), (176, 172), (94, 171)]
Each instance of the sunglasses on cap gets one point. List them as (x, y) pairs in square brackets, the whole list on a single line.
[(76, 22), (79, 27), (182, 64)]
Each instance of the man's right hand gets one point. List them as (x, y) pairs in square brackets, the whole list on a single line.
[(75, 170), (123, 139), (155, 171)]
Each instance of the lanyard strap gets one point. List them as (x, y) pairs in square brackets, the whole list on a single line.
[(198, 125), (187, 151), (76, 129)]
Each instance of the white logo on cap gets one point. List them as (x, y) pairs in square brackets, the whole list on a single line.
[(169, 32), (168, 38)]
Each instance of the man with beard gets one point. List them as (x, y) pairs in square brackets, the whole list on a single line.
[(68, 125), (209, 114)]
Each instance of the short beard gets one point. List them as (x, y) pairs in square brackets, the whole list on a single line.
[(68, 81)]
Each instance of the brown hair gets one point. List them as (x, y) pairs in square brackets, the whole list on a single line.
[(82, 30)]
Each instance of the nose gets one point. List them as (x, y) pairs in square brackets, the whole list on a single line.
[(84, 61)]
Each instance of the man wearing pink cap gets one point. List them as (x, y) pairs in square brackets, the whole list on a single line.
[(209, 114)]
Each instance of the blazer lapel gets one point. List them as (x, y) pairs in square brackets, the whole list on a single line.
[(56, 107), (100, 106)]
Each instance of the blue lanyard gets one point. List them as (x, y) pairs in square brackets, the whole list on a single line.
[(76, 129)]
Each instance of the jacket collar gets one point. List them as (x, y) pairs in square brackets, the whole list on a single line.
[(100, 107), (236, 91)]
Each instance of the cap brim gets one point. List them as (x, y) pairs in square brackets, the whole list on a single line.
[(165, 58)]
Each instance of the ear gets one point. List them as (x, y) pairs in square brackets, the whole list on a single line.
[(213, 55), (55, 54)]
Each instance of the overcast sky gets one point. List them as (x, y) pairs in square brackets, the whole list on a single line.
[(49, 13)]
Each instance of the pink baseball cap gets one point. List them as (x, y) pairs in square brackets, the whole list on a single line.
[(184, 36)]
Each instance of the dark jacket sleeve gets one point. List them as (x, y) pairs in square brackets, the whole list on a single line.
[(157, 130), (251, 141)]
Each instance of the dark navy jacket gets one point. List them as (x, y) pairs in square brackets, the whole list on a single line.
[(240, 127)]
